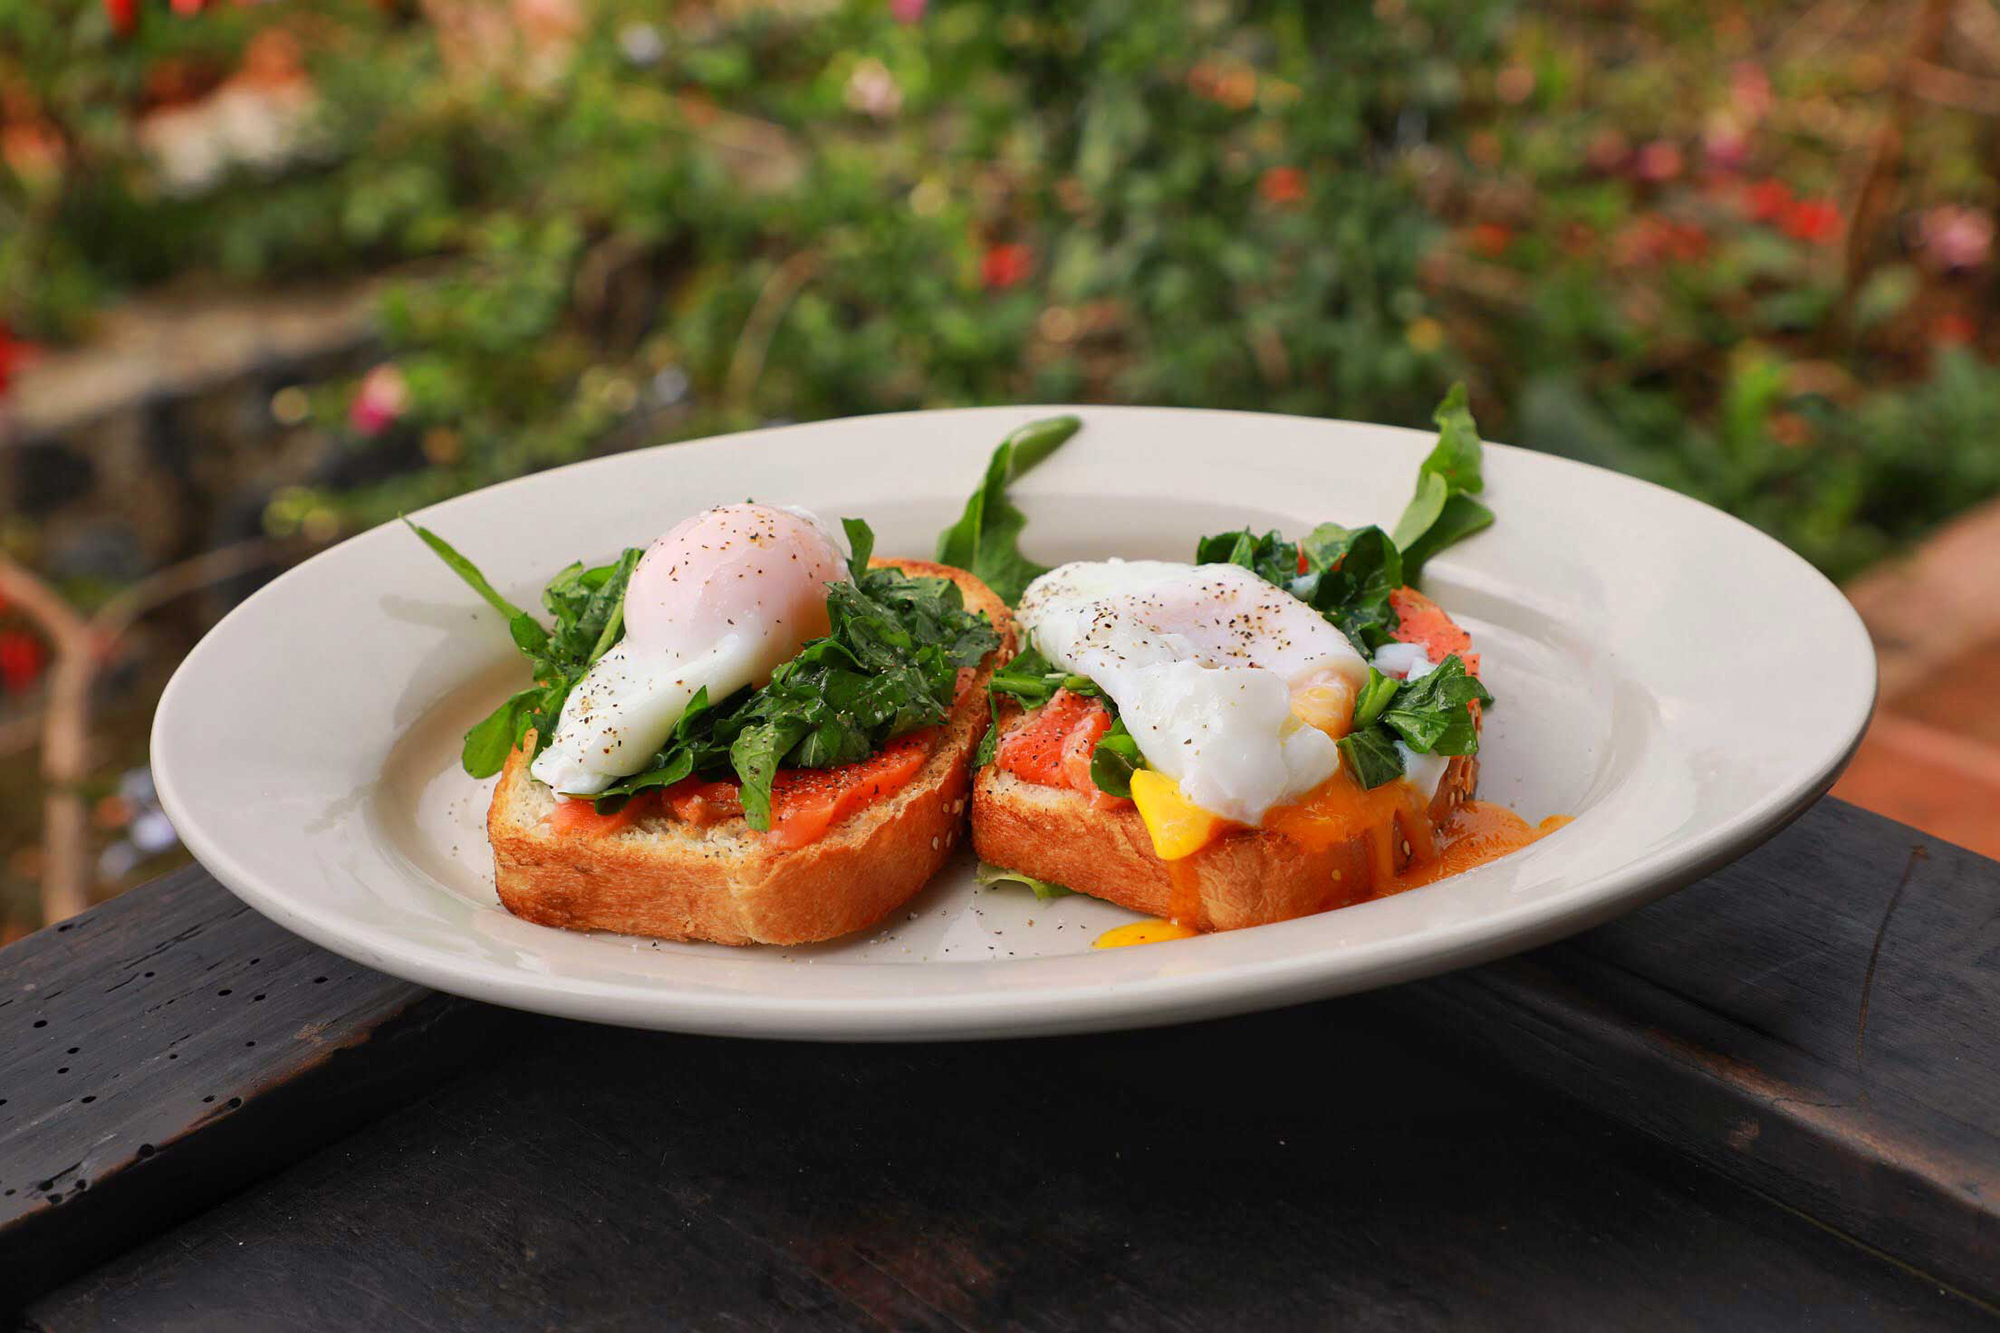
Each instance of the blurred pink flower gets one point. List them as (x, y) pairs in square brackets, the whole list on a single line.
[(1956, 237), (873, 91), (907, 11), (1724, 145), (381, 399)]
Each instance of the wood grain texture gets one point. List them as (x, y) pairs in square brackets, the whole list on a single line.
[(169, 1047), (1301, 1170), (1817, 1020), (1413, 1158)]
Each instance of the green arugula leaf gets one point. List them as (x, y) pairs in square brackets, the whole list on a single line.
[(493, 738), (991, 874), (1371, 756), (468, 571), (1443, 510), (1430, 713), (861, 542), (1115, 760), (1270, 556), (1373, 698), (1462, 516), (1352, 589), (1324, 545), (989, 746), (985, 540), (755, 755), (1459, 454), (1027, 678)]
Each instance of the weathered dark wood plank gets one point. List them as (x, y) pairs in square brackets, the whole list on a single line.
[(1300, 1170), (1820, 1020), (1723, 1022), (172, 1046)]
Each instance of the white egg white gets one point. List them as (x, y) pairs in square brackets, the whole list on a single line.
[(1202, 661), (719, 602)]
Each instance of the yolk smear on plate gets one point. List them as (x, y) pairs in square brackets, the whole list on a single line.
[(1151, 931)]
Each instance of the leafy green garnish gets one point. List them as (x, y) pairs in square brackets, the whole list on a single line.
[(986, 538), (860, 545), (1348, 574), (1270, 557), (1373, 698), (1428, 715), (1115, 760), (1371, 756), (888, 666), (1443, 510), (1028, 679), (991, 874), (588, 606)]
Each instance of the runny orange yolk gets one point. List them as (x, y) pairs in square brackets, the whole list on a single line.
[(1405, 848)]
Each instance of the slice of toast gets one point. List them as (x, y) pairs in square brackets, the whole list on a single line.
[(1246, 877), (666, 878)]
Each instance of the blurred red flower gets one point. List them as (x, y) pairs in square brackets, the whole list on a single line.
[(13, 355), (1815, 221), (907, 11), (1003, 266), (1953, 329), (124, 15), (1282, 186), (1767, 200), (21, 659), (1490, 239), (1660, 160), (1653, 239)]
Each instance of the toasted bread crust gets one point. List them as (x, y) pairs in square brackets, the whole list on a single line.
[(1249, 877), (671, 880)]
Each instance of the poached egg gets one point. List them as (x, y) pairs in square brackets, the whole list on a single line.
[(1232, 687), (721, 601)]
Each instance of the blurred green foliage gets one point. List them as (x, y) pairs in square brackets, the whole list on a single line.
[(1614, 220)]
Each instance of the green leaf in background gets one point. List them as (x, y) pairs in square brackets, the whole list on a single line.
[(991, 875), (986, 538)]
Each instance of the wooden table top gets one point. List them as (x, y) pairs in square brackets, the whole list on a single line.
[(1772, 1100)]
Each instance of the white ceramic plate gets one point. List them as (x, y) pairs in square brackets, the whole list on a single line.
[(1677, 681)]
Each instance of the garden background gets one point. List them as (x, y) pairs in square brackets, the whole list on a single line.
[(274, 272)]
